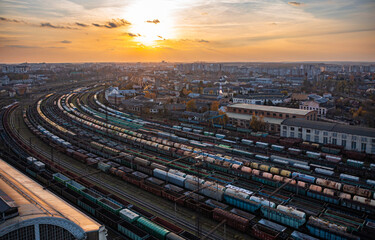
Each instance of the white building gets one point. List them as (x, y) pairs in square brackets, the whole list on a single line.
[(259, 99), (315, 102), (313, 105), (355, 138)]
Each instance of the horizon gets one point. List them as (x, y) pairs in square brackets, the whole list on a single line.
[(77, 31), (198, 61)]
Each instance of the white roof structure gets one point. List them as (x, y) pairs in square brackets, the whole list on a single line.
[(37, 206), (271, 108)]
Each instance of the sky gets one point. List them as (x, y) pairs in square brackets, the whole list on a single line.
[(186, 30)]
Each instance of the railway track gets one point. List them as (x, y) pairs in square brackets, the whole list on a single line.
[(141, 203), (50, 110)]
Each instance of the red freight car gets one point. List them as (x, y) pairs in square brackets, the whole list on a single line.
[(263, 232), (167, 225), (152, 188), (233, 220)]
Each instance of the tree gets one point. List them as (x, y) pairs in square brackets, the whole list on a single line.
[(256, 123), (285, 93), (201, 90), (191, 105), (150, 95), (225, 117), (360, 112), (186, 92), (129, 86), (200, 84), (269, 103), (215, 106)]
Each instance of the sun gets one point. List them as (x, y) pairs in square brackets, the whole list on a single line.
[(151, 21)]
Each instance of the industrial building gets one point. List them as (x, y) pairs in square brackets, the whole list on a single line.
[(259, 98), (28, 211), (241, 114), (350, 137)]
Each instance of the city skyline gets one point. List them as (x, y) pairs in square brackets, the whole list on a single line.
[(185, 31)]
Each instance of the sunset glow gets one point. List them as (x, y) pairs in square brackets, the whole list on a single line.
[(181, 30), (151, 21)]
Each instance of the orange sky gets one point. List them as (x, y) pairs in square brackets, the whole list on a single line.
[(186, 30)]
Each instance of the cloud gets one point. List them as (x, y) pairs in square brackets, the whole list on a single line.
[(81, 24), (133, 34), (31, 47), (20, 46), (10, 20), (47, 24), (243, 41), (193, 40), (115, 23), (203, 41), (156, 21), (6, 39), (3, 19), (66, 41), (296, 4)]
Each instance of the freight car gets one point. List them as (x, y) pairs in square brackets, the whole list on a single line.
[(232, 165)]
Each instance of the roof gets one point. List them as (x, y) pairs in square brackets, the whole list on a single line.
[(314, 96), (321, 100), (248, 117), (36, 203), (6, 202), (333, 127), (261, 96), (271, 108)]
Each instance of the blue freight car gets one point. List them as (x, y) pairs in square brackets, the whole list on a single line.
[(303, 177), (292, 217), (323, 197), (326, 230), (241, 203), (301, 236)]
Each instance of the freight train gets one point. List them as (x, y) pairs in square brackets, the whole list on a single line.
[(235, 166)]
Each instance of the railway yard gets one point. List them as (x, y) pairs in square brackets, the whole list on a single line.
[(145, 179)]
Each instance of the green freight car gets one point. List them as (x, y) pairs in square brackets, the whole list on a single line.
[(152, 228)]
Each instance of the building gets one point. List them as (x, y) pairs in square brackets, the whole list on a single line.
[(116, 96), (15, 68), (318, 103), (28, 211), (212, 91), (299, 97), (241, 114), (4, 80), (255, 81), (141, 104), (259, 98), (350, 137)]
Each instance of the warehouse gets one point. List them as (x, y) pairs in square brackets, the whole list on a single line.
[(240, 115), (30, 212), (350, 137)]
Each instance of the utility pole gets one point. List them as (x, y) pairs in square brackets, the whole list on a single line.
[(198, 213)]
